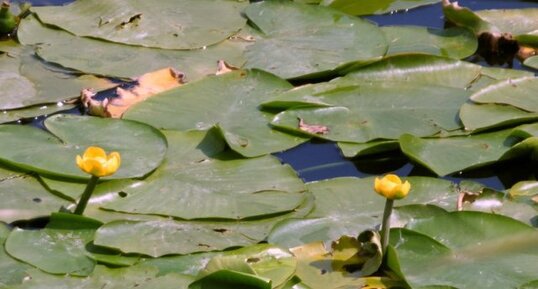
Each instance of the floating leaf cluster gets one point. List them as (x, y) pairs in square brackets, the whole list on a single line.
[(200, 201)]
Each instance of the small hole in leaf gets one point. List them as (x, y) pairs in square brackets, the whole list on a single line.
[(220, 230), (323, 271), (122, 194), (37, 200)]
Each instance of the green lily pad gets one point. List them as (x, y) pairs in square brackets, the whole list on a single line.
[(515, 92), (449, 155), (467, 249), (479, 117), (361, 112), (23, 197), (12, 271), (303, 41), (60, 248), (140, 277), (165, 236), (417, 68), (123, 61), (453, 42), (32, 112), (264, 260), (70, 135), (224, 101), (368, 7), (531, 62), (350, 150), (28, 81), (515, 21), (347, 206), (232, 188), (227, 279), (185, 24)]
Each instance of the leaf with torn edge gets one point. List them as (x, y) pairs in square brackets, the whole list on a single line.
[(145, 86)]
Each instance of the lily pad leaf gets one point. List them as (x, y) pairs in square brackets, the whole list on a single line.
[(12, 271), (171, 24), (266, 261), (60, 248), (227, 279), (123, 61), (228, 100), (368, 7), (350, 150), (70, 135), (449, 155), (23, 198), (157, 238), (417, 68), (140, 277), (479, 117), (164, 236), (347, 205), (27, 81), (531, 62), (360, 112), (231, 188), (478, 249), (515, 92), (303, 41), (453, 42)]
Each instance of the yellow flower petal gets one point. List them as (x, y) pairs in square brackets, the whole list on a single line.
[(391, 187), (95, 162)]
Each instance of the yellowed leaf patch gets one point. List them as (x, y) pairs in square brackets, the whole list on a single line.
[(146, 86)]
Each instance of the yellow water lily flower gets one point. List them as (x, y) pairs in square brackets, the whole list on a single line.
[(96, 162), (391, 187)]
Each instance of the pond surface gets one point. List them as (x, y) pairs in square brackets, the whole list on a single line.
[(317, 159)]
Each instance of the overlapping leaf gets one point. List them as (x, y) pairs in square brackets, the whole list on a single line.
[(308, 41), (360, 112), (448, 155), (123, 61), (70, 135), (194, 183), (60, 248), (453, 42), (185, 24), (367, 7), (462, 249), (347, 206), (225, 101)]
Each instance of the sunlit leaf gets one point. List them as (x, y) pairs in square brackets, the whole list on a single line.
[(463, 249), (366, 7), (348, 206), (193, 183), (123, 61), (60, 248), (361, 112), (453, 42), (449, 155), (71, 135), (185, 24), (223, 101), (12, 271), (23, 197), (515, 92), (308, 41)]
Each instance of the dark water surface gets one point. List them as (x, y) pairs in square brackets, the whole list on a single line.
[(317, 160)]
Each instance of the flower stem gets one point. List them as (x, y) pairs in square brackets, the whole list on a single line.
[(86, 195), (385, 227)]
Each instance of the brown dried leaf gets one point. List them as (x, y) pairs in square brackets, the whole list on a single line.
[(223, 67), (147, 86), (312, 128)]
